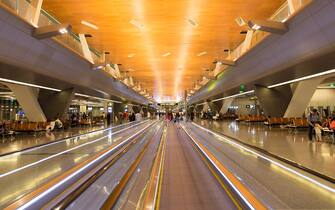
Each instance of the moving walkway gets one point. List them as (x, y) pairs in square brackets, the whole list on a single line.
[(181, 166)]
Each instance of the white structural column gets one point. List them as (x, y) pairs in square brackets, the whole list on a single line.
[(85, 48), (130, 108), (247, 41), (206, 107), (226, 104), (28, 100), (302, 95), (293, 5), (37, 5)]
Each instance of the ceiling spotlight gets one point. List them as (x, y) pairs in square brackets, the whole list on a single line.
[(97, 67), (137, 24), (192, 22), (131, 55), (89, 24), (240, 21), (202, 53), (226, 62), (49, 31), (63, 31), (268, 26), (166, 54)]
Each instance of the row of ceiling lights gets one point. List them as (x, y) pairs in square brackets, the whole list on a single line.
[(114, 70)]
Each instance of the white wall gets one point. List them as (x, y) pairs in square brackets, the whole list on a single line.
[(241, 103), (323, 97)]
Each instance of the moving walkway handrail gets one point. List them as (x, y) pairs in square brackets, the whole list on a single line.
[(152, 192), (28, 149), (72, 176), (246, 198), (86, 184), (113, 197), (272, 155)]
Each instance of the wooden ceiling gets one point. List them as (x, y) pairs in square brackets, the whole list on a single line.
[(166, 29)]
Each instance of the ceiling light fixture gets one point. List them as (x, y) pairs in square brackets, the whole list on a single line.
[(240, 21), (131, 55), (166, 54), (192, 22), (202, 53), (28, 84), (233, 96), (63, 31), (88, 24), (268, 26), (137, 24), (303, 78)]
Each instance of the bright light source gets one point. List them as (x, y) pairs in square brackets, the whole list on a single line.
[(89, 25), (303, 78), (256, 27), (233, 96), (192, 22), (63, 30), (137, 24), (28, 84), (166, 54), (202, 53), (131, 55)]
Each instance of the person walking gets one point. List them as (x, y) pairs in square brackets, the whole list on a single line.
[(192, 116), (312, 118)]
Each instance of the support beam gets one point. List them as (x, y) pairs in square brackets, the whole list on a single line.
[(302, 95), (226, 104), (216, 106), (268, 26), (27, 98), (247, 41), (293, 5), (55, 103), (205, 107), (49, 31), (85, 48), (37, 4), (275, 100)]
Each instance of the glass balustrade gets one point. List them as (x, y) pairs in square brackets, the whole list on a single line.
[(25, 10)]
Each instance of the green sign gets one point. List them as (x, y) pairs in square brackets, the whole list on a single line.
[(242, 88)]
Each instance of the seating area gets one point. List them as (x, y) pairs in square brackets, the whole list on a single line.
[(10, 127), (293, 123), (251, 118)]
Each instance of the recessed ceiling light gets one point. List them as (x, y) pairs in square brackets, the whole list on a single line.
[(91, 25), (192, 22), (166, 54), (240, 21), (137, 24), (202, 53), (131, 55)]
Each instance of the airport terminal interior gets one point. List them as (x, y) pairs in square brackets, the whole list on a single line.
[(167, 104)]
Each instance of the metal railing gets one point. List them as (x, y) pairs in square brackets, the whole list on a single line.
[(25, 10)]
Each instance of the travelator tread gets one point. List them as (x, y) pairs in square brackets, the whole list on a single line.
[(187, 181)]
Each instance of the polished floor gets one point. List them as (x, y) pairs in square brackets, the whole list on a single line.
[(275, 184), (21, 141), (295, 146)]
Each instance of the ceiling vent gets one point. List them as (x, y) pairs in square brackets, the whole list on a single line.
[(240, 21)]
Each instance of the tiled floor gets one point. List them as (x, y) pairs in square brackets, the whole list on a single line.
[(318, 156), (22, 141), (187, 182)]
